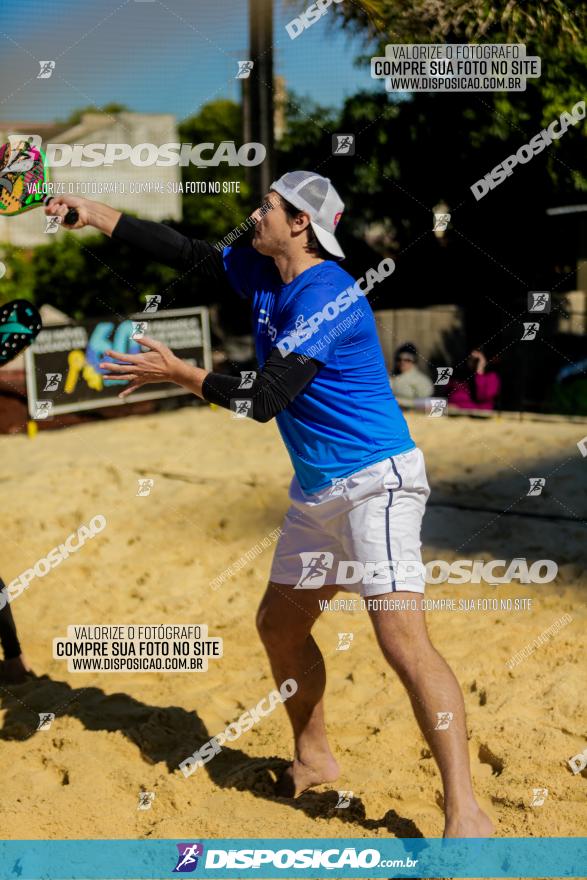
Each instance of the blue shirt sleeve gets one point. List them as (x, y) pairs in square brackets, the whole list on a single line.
[(237, 265), (247, 270)]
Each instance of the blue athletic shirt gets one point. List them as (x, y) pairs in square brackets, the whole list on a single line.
[(346, 418)]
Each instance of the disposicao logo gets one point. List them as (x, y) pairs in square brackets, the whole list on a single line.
[(187, 860)]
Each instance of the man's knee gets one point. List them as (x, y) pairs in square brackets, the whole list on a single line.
[(280, 624), (266, 622), (405, 643), (399, 657)]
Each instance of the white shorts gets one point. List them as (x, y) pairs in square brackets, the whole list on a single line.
[(362, 533)]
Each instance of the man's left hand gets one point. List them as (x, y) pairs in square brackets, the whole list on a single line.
[(157, 365)]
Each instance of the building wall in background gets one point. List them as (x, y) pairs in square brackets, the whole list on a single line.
[(437, 332)]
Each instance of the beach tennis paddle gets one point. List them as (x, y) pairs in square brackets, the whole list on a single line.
[(20, 324), (23, 174)]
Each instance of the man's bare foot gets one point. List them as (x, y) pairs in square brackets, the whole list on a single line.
[(15, 670), (474, 824), (298, 777)]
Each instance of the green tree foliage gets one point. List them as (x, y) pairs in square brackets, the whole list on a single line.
[(211, 216), (307, 122), (93, 276), (19, 280), (425, 21), (414, 151), (554, 30)]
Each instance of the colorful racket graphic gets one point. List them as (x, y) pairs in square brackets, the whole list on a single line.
[(23, 177), (20, 324)]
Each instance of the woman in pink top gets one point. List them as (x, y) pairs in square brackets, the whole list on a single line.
[(476, 389)]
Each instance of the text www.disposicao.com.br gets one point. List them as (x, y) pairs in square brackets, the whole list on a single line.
[(140, 664)]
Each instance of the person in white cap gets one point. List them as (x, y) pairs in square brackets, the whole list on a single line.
[(359, 491)]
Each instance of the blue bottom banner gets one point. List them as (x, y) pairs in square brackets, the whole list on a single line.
[(309, 857), (312, 857)]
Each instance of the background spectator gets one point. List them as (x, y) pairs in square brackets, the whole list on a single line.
[(407, 381), (472, 387)]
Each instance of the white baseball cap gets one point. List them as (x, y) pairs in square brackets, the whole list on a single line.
[(314, 194)]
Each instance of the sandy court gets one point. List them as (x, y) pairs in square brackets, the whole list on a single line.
[(220, 486)]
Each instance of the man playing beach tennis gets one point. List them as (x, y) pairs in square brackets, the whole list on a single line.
[(360, 488)]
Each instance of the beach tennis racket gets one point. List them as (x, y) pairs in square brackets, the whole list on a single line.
[(20, 324), (23, 172)]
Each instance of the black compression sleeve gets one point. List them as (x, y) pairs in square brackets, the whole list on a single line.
[(269, 392), (8, 636), (168, 246)]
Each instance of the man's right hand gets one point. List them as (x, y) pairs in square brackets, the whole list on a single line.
[(90, 213), (60, 205)]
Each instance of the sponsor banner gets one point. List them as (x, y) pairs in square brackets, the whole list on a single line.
[(62, 366), (310, 857)]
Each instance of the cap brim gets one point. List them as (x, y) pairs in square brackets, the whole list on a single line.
[(328, 241)]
